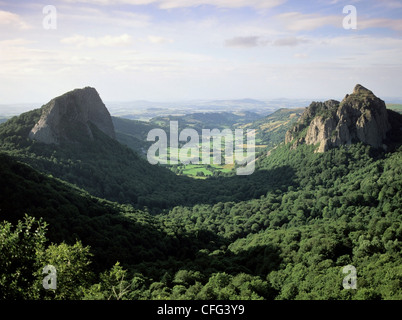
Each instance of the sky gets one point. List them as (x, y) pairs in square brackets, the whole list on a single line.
[(178, 50)]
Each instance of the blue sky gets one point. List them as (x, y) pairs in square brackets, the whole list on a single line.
[(170, 50)]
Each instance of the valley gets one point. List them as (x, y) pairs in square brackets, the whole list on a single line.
[(79, 196), (270, 130)]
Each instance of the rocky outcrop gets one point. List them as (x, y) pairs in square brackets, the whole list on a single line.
[(360, 117), (71, 117), (315, 109)]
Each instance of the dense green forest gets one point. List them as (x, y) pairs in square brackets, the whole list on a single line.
[(284, 245), (116, 227)]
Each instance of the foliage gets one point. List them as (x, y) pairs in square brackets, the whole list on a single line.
[(24, 255), (73, 270), (18, 257)]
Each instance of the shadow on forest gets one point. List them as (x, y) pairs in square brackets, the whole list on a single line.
[(176, 249), (155, 252), (258, 260), (189, 192)]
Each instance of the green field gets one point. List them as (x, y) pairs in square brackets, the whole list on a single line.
[(395, 107), (197, 171), (201, 171)]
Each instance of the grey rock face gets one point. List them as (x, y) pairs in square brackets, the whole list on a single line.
[(68, 118), (360, 117)]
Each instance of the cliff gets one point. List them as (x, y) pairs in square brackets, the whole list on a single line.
[(359, 117), (70, 117)]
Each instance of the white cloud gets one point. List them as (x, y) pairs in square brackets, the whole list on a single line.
[(263, 4), (254, 41), (10, 43), (159, 40), (301, 55), (380, 23), (12, 19), (101, 18), (393, 4), (171, 4), (366, 50), (296, 21), (20, 58), (117, 47), (105, 41)]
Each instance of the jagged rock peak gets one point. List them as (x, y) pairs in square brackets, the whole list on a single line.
[(71, 117), (359, 117), (360, 90)]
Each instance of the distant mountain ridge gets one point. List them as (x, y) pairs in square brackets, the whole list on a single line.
[(68, 118), (359, 117)]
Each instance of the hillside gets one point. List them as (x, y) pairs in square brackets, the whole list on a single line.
[(133, 134), (73, 214), (112, 232), (271, 129)]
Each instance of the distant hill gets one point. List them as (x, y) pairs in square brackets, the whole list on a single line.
[(208, 120), (146, 110), (395, 107), (271, 129), (133, 133)]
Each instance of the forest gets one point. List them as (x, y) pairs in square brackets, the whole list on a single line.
[(116, 227)]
